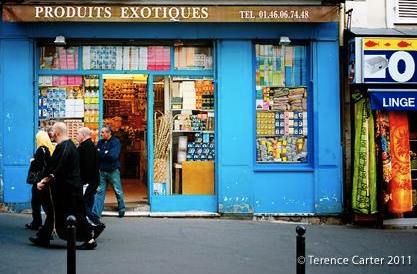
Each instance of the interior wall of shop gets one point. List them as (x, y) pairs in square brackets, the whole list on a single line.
[(240, 189)]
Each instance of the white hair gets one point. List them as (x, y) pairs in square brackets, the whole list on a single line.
[(85, 131), (60, 127)]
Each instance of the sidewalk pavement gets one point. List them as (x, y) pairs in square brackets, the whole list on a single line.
[(199, 246)]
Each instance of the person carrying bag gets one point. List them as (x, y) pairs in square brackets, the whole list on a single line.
[(36, 172)]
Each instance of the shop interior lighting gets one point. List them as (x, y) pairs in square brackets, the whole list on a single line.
[(284, 41), (60, 40)]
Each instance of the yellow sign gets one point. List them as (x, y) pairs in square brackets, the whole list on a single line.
[(404, 44), (142, 13)]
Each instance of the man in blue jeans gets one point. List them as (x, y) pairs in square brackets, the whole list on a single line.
[(108, 154)]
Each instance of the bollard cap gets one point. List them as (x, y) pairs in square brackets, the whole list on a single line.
[(71, 220), (301, 230)]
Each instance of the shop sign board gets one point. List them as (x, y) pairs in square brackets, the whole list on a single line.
[(393, 100), (151, 13), (384, 60)]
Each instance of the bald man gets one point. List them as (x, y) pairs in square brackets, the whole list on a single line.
[(88, 167)]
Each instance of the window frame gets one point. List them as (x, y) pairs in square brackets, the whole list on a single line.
[(286, 166)]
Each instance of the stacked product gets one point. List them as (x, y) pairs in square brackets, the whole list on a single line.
[(91, 102), (283, 149), (208, 95), (291, 123), (193, 57), (176, 102), (59, 58), (72, 128), (187, 89), (265, 123), (159, 58), (55, 103), (202, 149)]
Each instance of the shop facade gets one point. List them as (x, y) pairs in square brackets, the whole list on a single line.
[(248, 100), (383, 77)]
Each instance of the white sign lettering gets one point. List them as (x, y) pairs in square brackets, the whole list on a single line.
[(399, 102)]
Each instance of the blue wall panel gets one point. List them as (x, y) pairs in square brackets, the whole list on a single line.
[(235, 126), (171, 30), (17, 117), (15, 188), (284, 192), (328, 188)]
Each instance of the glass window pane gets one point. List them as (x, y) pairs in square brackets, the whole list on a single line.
[(281, 104), (52, 57), (73, 100), (126, 58), (193, 57)]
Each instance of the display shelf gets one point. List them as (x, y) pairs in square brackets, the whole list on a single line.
[(193, 131), (203, 110)]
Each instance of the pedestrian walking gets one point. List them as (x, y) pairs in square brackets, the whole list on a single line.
[(66, 192), (36, 173), (109, 152)]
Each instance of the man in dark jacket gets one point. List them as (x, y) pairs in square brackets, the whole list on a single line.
[(88, 168), (108, 152)]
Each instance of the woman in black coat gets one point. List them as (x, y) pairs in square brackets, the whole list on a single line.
[(36, 172)]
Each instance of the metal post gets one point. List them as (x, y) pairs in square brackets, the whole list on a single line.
[(71, 234), (301, 250)]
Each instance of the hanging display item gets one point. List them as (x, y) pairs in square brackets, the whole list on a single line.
[(364, 197), (281, 104), (400, 184)]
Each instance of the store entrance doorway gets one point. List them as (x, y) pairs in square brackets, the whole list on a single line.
[(124, 109)]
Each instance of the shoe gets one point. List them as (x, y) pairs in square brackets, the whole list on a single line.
[(98, 229), (39, 241), (87, 246), (32, 226), (121, 213)]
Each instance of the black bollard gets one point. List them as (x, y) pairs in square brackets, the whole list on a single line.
[(71, 230), (301, 249)]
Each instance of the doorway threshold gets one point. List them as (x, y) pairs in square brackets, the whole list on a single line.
[(185, 214)]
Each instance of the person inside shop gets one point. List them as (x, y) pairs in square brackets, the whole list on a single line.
[(66, 192), (89, 172), (109, 152), (36, 173)]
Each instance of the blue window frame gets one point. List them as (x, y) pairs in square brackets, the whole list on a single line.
[(283, 106)]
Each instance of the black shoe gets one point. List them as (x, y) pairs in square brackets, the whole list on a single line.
[(87, 246), (39, 241), (98, 229), (32, 226), (121, 213)]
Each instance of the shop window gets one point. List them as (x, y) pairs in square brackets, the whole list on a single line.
[(52, 57), (187, 57), (73, 100), (126, 58), (281, 104), (184, 136)]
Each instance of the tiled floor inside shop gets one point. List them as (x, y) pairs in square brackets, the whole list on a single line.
[(135, 195)]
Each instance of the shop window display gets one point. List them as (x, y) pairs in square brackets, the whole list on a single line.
[(188, 57), (126, 58), (73, 100), (185, 138), (62, 58), (281, 104)]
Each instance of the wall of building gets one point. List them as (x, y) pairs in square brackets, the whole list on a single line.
[(368, 13), (316, 189)]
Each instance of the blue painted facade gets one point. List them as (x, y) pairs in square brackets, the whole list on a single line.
[(242, 186)]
